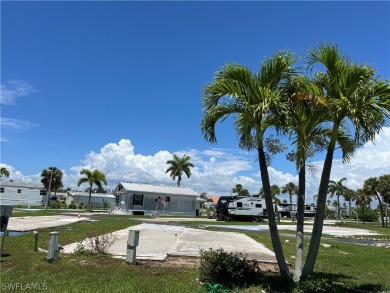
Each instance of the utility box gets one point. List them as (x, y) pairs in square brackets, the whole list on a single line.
[(132, 243), (133, 239)]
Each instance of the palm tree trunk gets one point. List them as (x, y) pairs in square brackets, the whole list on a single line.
[(363, 214), (273, 228), (300, 223), (291, 212), (320, 213), (89, 198), (338, 207), (350, 207), (381, 209)]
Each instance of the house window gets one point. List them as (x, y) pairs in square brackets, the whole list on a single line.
[(19, 191), (307, 208), (239, 204), (258, 205), (1, 189), (138, 199), (167, 199), (42, 192)]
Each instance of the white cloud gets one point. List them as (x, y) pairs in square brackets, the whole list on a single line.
[(14, 89), (15, 124)]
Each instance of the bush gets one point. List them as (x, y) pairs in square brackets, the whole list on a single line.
[(99, 242), (314, 284), (369, 214), (231, 271)]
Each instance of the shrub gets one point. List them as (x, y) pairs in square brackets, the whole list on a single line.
[(314, 284), (231, 271), (99, 242)]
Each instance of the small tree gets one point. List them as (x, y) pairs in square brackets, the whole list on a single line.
[(92, 177), (4, 172), (178, 166)]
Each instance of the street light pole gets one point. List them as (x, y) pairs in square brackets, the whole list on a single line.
[(49, 191)]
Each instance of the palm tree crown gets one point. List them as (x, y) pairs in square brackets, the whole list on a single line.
[(4, 172), (178, 166)]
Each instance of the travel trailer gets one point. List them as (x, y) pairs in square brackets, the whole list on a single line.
[(241, 208)]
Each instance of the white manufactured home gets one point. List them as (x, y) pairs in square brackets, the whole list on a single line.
[(147, 199), (20, 193)]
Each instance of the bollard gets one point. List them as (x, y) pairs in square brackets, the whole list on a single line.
[(52, 252), (35, 233), (132, 243)]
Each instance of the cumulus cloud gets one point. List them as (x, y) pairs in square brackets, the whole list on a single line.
[(14, 89)]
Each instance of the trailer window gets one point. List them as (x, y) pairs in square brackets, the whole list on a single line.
[(239, 204), (258, 205), (307, 208)]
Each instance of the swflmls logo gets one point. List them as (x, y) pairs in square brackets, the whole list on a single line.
[(24, 287)]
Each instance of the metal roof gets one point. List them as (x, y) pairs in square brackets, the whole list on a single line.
[(21, 184), (86, 194), (159, 189)]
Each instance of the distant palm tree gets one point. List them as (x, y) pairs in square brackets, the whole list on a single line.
[(240, 190), (291, 189), (4, 172), (370, 187), (56, 178), (362, 200), (178, 166), (337, 187), (92, 177), (350, 195)]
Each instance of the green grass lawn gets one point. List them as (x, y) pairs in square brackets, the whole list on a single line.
[(356, 266)]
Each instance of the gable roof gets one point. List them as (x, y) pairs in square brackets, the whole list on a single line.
[(159, 189)]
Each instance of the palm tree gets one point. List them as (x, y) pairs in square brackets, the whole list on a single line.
[(384, 190), (370, 187), (240, 190), (304, 126), (362, 199), (336, 187), (92, 177), (291, 189), (250, 98), (349, 195), (55, 175), (178, 166), (348, 92), (4, 172)]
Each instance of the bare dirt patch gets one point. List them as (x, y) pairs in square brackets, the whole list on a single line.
[(194, 262)]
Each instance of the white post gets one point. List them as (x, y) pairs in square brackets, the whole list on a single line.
[(52, 252), (132, 243)]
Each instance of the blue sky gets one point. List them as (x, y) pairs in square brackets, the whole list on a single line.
[(117, 85)]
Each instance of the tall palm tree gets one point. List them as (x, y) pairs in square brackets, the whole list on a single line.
[(178, 166), (370, 187), (348, 92), (55, 175), (304, 126), (4, 172), (250, 98), (337, 187), (92, 177)]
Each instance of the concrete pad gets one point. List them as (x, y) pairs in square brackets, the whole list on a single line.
[(158, 241), (41, 222)]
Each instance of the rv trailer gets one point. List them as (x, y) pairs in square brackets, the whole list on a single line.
[(242, 208)]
